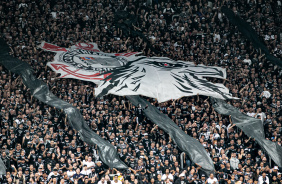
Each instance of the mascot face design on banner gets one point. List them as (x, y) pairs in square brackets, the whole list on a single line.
[(160, 78), (128, 74)]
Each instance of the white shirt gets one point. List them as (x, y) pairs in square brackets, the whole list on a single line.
[(261, 180), (262, 116), (113, 182), (251, 114), (268, 37), (85, 172), (247, 61), (54, 14), (51, 174), (222, 126), (216, 36), (164, 177), (70, 173), (168, 9), (89, 164), (100, 182), (152, 37), (266, 94), (212, 181), (216, 136)]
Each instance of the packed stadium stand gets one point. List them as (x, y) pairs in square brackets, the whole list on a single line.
[(38, 145)]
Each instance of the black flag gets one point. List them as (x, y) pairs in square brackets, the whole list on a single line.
[(193, 148), (252, 127)]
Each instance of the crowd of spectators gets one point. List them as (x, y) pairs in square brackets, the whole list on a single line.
[(38, 145)]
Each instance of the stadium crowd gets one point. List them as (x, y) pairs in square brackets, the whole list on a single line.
[(38, 145)]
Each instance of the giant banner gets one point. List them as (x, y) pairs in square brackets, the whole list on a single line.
[(129, 74)]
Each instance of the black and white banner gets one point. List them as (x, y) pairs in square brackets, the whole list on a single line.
[(129, 74)]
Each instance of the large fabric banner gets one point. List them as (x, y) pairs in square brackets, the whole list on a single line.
[(129, 74), (252, 127)]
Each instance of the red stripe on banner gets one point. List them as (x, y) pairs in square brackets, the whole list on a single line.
[(50, 47), (126, 54), (87, 46), (95, 76)]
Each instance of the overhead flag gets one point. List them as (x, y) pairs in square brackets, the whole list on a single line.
[(252, 127), (192, 147), (129, 74)]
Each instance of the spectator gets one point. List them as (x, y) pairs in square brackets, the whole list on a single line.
[(102, 181), (70, 172), (78, 177), (212, 179), (89, 163), (54, 174), (99, 169), (93, 174), (159, 179), (234, 161), (167, 175), (263, 179), (107, 178), (115, 180), (85, 171), (181, 179)]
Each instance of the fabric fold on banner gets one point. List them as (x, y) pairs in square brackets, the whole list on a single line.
[(193, 148), (247, 30), (252, 127), (2, 167), (40, 90)]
